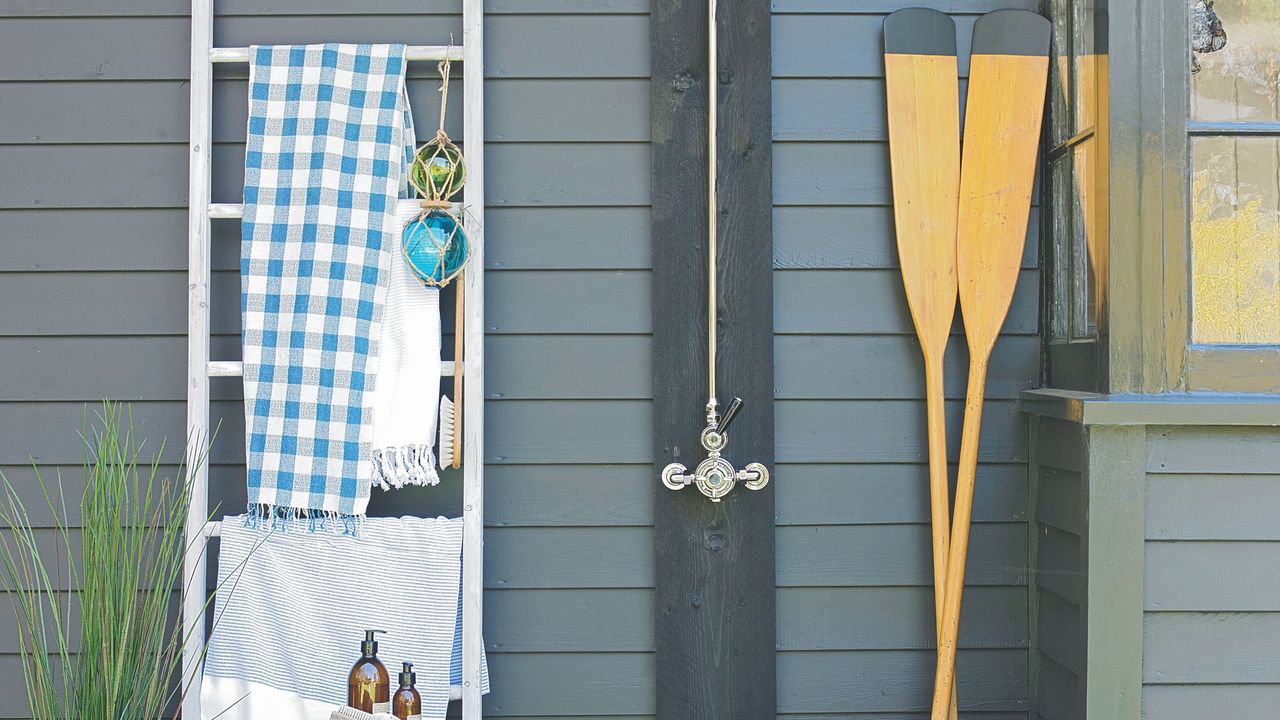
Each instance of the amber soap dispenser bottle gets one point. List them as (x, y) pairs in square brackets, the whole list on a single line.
[(406, 704), (368, 685)]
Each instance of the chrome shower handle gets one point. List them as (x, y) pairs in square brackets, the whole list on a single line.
[(715, 477)]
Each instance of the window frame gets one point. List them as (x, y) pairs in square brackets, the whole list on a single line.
[(1150, 283), (1213, 367)]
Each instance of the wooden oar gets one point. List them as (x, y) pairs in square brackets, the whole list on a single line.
[(1007, 76), (922, 98)]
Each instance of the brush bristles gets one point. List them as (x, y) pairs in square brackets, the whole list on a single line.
[(445, 454)]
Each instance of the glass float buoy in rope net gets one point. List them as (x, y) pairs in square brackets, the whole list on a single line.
[(434, 243)]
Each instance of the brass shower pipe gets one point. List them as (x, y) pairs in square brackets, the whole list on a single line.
[(714, 477)]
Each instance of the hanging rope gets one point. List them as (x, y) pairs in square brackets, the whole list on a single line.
[(443, 69), (711, 200), (437, 188)]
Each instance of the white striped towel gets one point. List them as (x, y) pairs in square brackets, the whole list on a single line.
[(406, 396), (292, 608)]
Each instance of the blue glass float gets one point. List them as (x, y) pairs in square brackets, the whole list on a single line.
[(435, 247)]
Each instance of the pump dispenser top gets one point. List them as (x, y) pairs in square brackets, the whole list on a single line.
[(406, 704), (369, 648), (368, 685)]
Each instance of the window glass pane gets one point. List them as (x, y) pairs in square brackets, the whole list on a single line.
[(1091, 160), (1080, 281), (1060, 74), (1061, 201), (1090, 233), (1235, 58), (1235, 240), (1076, 202), (1085, 57)]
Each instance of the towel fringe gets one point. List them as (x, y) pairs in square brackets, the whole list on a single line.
[(280, 519), (396, 467)]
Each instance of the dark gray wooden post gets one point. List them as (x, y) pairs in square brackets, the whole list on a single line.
[(715, 636)]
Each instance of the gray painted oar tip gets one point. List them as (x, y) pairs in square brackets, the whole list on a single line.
[(919, 31), (1011, 32)]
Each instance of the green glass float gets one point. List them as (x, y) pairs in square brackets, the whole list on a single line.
[(438, 172)]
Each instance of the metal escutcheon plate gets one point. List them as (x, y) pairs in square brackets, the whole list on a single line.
[(669, 474), (714, 441), (715, 477), (759, 482)]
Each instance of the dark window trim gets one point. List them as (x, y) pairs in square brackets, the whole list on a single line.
[(1076, 364), (1070, 360)]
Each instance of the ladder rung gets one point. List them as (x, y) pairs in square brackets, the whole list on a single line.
[(234, 368), (412, 52), (222, 211)]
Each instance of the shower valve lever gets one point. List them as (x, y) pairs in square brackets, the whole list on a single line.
[(734, 406), (715, 477)]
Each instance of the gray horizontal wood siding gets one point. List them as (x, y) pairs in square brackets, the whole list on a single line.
[(92, 284), (850, 422), (1058, 592), (1212, 577), (93, 274)]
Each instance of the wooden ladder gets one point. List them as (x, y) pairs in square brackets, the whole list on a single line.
[(200, 367)]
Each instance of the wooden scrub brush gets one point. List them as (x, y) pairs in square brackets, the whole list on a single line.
[(450, 425)]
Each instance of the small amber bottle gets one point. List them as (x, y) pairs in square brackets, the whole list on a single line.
[(368, 685), (406, 704)]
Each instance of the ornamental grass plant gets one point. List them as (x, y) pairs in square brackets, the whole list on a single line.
[(95, 608)]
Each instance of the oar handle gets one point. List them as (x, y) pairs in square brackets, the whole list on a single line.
[(939, 492), (957, 552)]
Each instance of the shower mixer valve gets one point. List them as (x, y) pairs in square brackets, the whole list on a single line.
[(715, 477)]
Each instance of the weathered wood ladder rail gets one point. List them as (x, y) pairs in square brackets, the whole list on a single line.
[(200, 367)]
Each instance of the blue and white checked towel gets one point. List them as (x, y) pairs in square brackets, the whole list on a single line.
[(329, 137), (292, 608)]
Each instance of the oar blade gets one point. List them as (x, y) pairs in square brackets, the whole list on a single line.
[(922, 98), (1007, 77), (1011, 32), (919, 31)]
